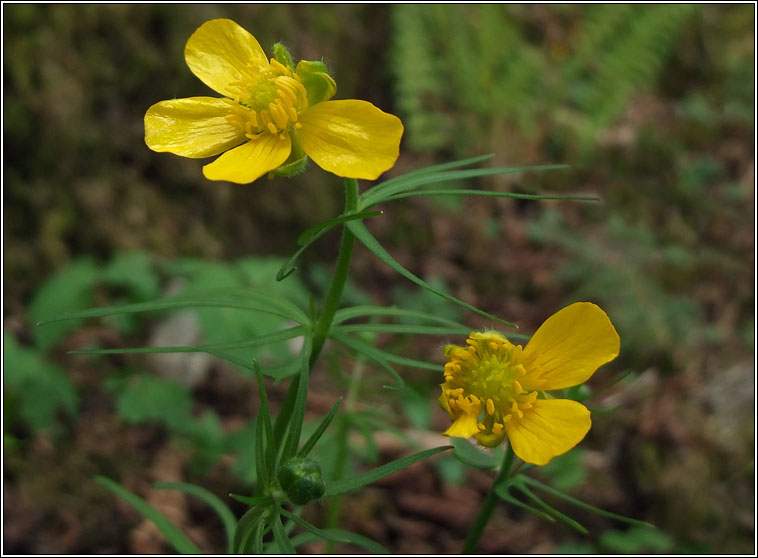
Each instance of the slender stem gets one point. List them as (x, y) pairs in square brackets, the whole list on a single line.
[(334, 295), (331, 303), (488, 506)]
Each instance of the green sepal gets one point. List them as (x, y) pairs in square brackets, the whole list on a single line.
[(282, 55), (295, 163), (290, 169), (316, 80)]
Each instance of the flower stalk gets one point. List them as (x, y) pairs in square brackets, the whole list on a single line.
[(488, 505)]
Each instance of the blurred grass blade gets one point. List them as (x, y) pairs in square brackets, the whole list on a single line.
[(265, 339), (221, 509), (323, 425), (558, 494), (369, 351), (249, 300), (178, 540), (358, 481), (489, 193), (361, 233), (281, 539), (336, 535)]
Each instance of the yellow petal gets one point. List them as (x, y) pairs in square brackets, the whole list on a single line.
[(218, 52), (570, 346), (550, 427), (464, 426), (193, 127), (250, 160), (351, 138)]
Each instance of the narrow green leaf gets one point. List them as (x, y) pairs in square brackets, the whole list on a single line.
[(307, 236), (503, 492), (558, 494), (221, 509), (352, 538), (489, 193), (248, 300), (369, 351), (292, 440), (265, 339), (250, 524), (367, 311), (281, 539), (548, 508), (265, 414), (405, 328), (312, 234), (347, 485), (606, 387), (323, 425), (376, 196), (336, 535), (257, 546), (252, 501), (410, 362), (361, 233), (261, 471), (379, 188), (178, 540), (357, 540)]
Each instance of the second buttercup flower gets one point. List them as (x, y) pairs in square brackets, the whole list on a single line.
[(495, 389), (273, 114)]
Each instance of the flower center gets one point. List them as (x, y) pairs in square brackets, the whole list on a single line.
[(267, 99), (485, 379)]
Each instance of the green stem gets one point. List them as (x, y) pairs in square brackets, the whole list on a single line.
[(488, 506), (331, 304), (334, 295)]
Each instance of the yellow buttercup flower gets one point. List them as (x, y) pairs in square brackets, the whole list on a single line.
[(273, 114), (494, 388)]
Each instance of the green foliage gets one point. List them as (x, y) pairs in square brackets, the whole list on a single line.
[(178, 540), (144, 398), (637, 540), (67, 290), (461, 70), (566, 471), (223, 325), (35, 389)]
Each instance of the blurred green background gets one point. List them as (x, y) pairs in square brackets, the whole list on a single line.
[(652, 106)]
